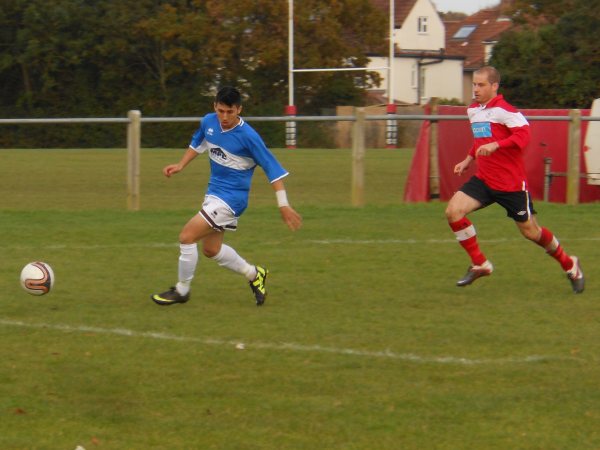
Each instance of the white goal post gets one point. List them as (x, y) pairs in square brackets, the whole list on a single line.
[(290, 109)]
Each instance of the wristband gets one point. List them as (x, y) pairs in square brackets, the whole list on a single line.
[(281, 198)]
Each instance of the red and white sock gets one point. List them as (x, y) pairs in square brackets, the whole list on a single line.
[(549, 243), (467, 237)]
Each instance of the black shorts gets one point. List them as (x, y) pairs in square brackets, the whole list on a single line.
[(518, 205)]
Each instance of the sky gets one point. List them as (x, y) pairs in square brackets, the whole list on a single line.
[(465, 6)]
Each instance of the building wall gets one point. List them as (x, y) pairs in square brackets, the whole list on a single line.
[(408, 36), (444, 79), (468, 88)]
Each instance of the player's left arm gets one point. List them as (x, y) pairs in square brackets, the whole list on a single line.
[(275, 173), (289, 215), (519, 137)]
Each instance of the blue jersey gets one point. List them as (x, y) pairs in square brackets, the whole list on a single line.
[(234, 154)]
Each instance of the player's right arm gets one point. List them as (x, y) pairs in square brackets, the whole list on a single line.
[(187, 157), (463, 165)]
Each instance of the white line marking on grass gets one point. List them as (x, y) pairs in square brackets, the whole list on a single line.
[(386, 354), (346, 241), (90, 246), (422, 241)]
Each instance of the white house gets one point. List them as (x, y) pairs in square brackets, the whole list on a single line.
[(421, 68)]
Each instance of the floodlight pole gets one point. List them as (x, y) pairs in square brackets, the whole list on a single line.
[(290, 109), (391, 128)]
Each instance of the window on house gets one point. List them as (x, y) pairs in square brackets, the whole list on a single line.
[(422, 24), (464, 32)]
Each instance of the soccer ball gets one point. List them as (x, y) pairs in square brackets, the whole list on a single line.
[(37, 278)]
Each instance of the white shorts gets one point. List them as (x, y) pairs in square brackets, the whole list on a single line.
[(218, 214)]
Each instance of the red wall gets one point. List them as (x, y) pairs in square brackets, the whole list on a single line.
[(548, 139)]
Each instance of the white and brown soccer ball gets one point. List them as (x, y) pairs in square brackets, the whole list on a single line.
[(37, 278)]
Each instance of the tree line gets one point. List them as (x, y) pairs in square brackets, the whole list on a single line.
[(101, 58)]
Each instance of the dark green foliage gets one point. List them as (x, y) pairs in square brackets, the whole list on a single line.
[(555, 65), (83, 58)]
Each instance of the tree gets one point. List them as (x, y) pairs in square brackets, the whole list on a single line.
[(536, 11), (43, 49), (555, 64)]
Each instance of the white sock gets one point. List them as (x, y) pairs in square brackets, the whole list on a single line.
[(188, 259), (228, 257)]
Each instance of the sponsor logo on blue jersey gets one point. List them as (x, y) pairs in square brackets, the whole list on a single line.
[(481, 129), (217, 153)]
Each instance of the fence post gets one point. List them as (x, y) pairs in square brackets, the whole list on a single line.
[(547, 177), (134, 137), (358, 158), (573, 157), (434, 163)]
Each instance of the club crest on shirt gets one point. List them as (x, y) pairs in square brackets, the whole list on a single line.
[(216, 152), (481, 129)]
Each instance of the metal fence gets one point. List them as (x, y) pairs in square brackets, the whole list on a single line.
[(134, 120)]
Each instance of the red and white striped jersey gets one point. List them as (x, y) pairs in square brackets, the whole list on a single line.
[(498, 121)]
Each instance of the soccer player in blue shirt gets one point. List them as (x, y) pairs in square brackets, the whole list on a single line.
[(234, 149)]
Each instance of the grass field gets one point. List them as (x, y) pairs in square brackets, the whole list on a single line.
[(364, 342)]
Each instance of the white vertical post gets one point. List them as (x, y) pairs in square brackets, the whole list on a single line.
[(133, 159), (290, 52), (358, 158), (290, 110), (391, 128), (391, 53)]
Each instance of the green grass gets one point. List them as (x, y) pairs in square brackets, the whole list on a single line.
[(364, 343)]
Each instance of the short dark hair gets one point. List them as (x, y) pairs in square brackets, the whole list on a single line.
[(229, 96), (492, 73)]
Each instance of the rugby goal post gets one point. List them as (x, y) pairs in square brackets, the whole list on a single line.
[(290, 109)]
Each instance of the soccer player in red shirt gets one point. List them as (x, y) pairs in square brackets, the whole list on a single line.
[(501, 134)]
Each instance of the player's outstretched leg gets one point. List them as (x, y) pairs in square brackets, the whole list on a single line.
[(256, 275), (258, 285), (575, 276), (570, 264), (170, 297), (475, 272), (467, 237)]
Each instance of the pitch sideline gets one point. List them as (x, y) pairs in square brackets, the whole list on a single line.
[(335, 241), (287, 346)]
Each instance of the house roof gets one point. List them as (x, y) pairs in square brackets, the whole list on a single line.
[(401, 9), (489, 24)]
